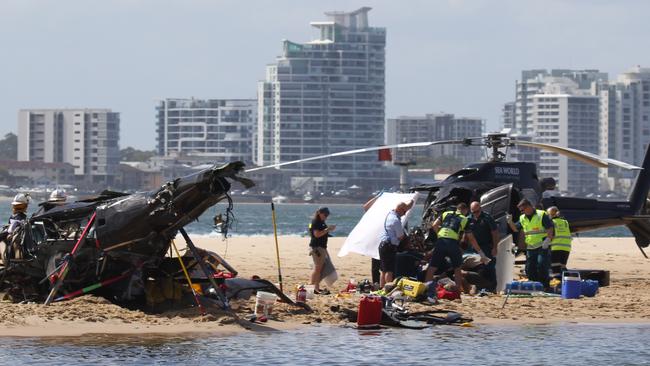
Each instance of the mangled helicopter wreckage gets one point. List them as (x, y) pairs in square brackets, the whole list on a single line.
[(122, 240)]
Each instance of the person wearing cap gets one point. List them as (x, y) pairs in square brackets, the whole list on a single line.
[(390, 238), (319, 232), (561, 243)]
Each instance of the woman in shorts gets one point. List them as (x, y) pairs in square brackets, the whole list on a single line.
[(319, 232)]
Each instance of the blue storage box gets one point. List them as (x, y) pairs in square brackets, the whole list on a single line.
[(589, 288), (524, 287)]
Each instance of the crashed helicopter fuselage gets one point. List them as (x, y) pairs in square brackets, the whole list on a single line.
[(82, 243)]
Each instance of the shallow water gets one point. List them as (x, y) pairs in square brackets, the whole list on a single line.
[(559, 344)]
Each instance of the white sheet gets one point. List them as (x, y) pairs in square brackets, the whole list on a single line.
[(364, 238)]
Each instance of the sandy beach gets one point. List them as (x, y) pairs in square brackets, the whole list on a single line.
[(623, 301)]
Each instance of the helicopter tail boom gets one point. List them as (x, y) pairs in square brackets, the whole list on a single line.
[(639, 224), (639, 194)]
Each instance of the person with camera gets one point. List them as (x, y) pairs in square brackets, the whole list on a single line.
[(319, 232), (390, 239)]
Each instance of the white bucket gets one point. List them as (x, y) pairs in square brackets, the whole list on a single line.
[(310, 291), (264, 303)]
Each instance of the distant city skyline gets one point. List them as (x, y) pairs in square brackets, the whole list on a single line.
[(458, 57)]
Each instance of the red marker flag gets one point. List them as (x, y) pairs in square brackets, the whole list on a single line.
[(385, 155)]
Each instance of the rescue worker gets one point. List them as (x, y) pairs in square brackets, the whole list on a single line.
[(538, 233), (450, 227), (18, 211), (561, 243), (16, 220), (484, 229), (58, 196), (390, 238)]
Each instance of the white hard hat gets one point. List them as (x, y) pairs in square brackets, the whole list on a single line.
[(58, 195), (21, 199)]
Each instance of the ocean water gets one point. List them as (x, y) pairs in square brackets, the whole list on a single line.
[(293, 219), (559, 344)]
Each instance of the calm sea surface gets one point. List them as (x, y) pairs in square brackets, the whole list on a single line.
[(292, 219), (564, 344)]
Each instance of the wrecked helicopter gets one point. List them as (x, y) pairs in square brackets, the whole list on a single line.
[(117, 246)]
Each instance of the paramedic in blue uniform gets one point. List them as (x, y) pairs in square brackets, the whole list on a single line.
[(484, 229)]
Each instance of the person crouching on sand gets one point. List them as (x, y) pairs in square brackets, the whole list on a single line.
[(319, 232)]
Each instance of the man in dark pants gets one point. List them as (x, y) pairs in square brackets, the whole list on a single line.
[(389, 241), (538, 232), (450, 227), (484, 229)]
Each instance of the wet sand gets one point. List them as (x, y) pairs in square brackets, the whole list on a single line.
[(625, 300)]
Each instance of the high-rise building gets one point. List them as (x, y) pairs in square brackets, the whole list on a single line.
[(435, 127), (571, 121), (559, 107), (533, 81), (214, 129), (625, 122), (325, 96), (86, 138), (508, 115)]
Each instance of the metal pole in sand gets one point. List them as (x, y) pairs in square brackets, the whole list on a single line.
[(277, 248), (506, 300), (189, 280)]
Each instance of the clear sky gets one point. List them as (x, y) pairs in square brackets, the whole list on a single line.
[(459, 57)]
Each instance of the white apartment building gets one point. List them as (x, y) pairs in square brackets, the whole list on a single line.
[(528, 118), (435, 127), (625, 123), (221, 130), (326, 96), (86, 138), (534, 81), (570, 121)]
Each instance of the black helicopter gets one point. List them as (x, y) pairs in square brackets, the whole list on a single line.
[(119, 243), (499, 185)]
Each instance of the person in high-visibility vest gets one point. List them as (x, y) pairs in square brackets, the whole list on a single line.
[(450, 228), (561, 243), (538, 233)]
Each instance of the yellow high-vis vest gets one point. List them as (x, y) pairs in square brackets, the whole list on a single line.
[(533, 229), (452, 227), (562, 238)]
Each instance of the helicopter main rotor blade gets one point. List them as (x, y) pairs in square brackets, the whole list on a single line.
[(359, 151), (583, 156)]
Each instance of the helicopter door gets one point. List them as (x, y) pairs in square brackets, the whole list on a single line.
[(496, 202)]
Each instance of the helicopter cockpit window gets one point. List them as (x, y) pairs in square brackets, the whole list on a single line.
[(464, 172)]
